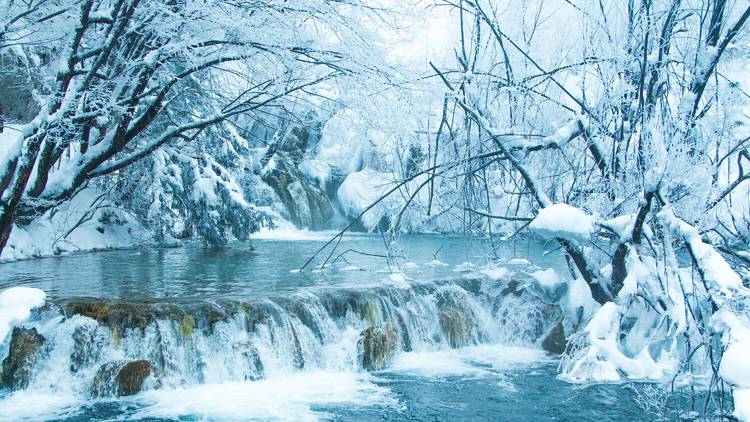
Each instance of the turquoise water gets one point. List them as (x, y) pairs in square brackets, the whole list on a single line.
[(262, 267), (497, 375)]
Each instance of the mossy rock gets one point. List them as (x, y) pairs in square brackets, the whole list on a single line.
[(120, 378), (306, 204), (377, 346), (555, 341), (25, 344), (187, 325)]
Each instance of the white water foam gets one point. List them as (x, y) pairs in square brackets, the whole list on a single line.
[(36, 405), (467, 362), (292, 397)]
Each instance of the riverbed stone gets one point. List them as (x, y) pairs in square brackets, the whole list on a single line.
[(555, 341), (120, 378), (457, 320), (377, 346), (25, 344), (453, 323)]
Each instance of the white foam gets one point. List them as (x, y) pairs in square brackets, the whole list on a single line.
[(34, 405), (469, 362), (285, 230), (290, 397)]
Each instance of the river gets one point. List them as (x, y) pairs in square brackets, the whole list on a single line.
[(241, 334)]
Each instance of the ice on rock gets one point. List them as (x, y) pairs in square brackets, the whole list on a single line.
[(317, 171), (563, 221), (464, 267), (436, 263)]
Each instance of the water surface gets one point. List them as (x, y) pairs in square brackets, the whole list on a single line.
[(495, 374)]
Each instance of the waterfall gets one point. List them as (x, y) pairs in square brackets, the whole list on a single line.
[(95, 348)]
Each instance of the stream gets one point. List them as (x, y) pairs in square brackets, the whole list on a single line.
[(446, 329)]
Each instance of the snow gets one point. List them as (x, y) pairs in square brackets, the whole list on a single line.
[(603, 361), (652, 179), (577, 297), (519, 261), (317, 171), (16, 304), (742, 403), (622, 225), (494, 273), (102, 15), (45, 236), (464, 267), (397, 277), (435, 263), (638, 273), (717, 272), (360, 190), (398, 280), (10, 142), (563, 134), (735, 365), (548, 279), (204, 189), (563, 221)]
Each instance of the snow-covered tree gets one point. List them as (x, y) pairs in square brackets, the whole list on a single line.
[(618, 130), (117, 81)]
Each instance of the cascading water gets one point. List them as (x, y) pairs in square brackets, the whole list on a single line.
[(228, 341), (194, 334)]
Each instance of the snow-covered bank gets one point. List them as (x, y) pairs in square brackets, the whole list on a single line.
[(86, 223)]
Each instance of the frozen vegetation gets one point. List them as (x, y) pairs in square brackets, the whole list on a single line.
[(617, 131)]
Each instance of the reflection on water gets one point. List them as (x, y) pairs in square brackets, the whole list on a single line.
[(266, 266)]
